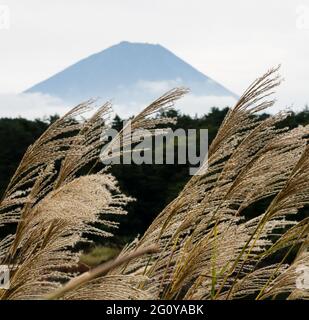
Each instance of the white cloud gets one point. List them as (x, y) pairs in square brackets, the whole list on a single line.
[(192, 104), (37, 105), (142, 93), (158, 87), (31, 105), (189, 104)]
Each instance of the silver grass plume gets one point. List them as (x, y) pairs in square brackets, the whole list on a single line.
[(54, 206), (207, 249)]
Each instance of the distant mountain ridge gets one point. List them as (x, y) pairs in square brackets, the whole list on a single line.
[(128, 72)]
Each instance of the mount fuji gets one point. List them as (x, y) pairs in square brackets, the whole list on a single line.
[(131, 75)]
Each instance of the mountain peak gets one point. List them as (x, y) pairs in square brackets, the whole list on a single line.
[(129, 73), (129, 43)]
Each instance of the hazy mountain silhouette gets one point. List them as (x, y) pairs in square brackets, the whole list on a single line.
[(128, 73)]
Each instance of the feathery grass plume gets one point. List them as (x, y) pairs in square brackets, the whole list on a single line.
[(208, 249), (54, 205), (52, 217), (83, 283), (110, 287), (145, 120), (292, 197), (34, 177)]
